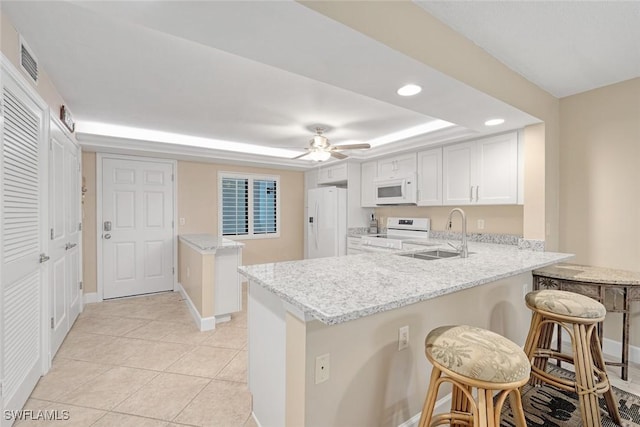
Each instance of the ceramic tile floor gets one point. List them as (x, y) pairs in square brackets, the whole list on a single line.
[(141, 362)]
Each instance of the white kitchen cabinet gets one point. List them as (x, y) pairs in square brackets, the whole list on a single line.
[(430, 177), (333, 173), (368, 172), (483, 172), (396, 166), (354, 245)]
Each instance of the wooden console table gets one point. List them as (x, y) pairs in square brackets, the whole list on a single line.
[(613, 288)]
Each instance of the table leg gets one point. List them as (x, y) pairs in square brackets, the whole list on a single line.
[(625, 336)]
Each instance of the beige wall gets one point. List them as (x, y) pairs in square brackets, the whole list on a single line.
[(10, 45), (497, 219), (89, 254), (372, 383), (407, 28), (196, 275), (197, 200), (600, 207), (198, 205)]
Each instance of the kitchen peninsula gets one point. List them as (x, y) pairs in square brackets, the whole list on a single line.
[(323, 333)]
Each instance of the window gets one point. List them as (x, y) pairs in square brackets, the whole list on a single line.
[(249, 205)]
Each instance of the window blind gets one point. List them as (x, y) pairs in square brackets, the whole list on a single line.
[(264, 206), (235, 206)]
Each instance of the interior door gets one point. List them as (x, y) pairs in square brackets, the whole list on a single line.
[(22, 227), (137, 229), (65, 295)]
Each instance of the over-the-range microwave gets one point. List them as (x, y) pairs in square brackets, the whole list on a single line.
[(396, 191)]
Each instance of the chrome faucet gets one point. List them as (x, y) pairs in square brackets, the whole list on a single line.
[(464, 252)]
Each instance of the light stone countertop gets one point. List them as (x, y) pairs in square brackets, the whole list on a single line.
[(208, 243), (338, 289), (590, 274)]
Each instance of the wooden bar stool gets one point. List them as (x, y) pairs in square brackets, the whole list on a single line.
[(579, 316), (468, 358)]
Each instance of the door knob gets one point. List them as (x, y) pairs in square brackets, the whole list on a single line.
[(107, 236)]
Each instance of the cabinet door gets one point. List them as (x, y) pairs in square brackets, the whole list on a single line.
[(458, 167), (402, 165), (332, 174), (368, 172), (497, 177), (430, 177)]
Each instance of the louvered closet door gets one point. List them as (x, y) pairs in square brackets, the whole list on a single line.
[(22, 228), (64, 295)]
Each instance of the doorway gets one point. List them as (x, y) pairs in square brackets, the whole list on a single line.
[(136, 244)]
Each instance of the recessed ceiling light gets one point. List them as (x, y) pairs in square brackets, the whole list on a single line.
[(494, 122), (409, 90)]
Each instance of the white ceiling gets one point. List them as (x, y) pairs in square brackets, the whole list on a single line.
[(255, 72), (564, 47)]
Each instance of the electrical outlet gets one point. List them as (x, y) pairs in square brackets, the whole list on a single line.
[(481, 224), (322, 368), (525, 290), (403, 338), (182, 221), (188, 272)]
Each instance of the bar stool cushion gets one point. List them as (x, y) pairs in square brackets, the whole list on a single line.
[(565, 303), (477, 353)]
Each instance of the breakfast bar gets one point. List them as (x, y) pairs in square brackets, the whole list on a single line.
[(324, 334)]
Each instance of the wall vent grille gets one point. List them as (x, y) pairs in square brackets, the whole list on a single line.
[(28, 61)]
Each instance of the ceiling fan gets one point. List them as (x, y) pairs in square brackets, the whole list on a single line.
[(320, 150)]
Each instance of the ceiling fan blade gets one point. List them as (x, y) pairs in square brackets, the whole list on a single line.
[(337, 155), (351, 147), (300, 156)]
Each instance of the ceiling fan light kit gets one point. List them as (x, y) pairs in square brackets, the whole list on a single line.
[(320, 149)]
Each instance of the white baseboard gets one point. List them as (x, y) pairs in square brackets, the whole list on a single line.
[(253, 415), (442, 405), (614, 348), (203, 323), (90, 298)]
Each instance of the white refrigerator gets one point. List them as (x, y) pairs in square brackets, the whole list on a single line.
[(326, 222)]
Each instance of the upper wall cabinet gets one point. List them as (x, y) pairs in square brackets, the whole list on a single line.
[(333, 173), (430, 177), (481, 172), (369, 172), (402, 165)]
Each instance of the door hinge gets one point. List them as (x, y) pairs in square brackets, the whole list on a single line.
[(52, 234), (79, 226), (173, 224), (80, 283), (52, 323), (173, 271), (171, 177)]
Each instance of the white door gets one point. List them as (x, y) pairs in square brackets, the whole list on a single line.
[(64, 283), (23, 168), (137, 228)]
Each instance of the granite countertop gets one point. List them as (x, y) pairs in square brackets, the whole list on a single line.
[(209, 242), (338, 289), (587, 273)]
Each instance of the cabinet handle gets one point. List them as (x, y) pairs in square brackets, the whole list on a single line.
[(477, 191), (471, 193)]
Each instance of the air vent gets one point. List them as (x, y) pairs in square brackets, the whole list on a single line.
[(28, 61)]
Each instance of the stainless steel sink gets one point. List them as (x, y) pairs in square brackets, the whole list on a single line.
[(433, 254)]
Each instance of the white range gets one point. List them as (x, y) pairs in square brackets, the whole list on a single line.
[(399, 232)]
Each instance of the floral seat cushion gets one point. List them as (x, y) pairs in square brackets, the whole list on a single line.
[(477, 353), (565, 303)]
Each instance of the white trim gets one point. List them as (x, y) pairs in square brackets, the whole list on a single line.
[(442, 406), (253, 415), (174, 167), (90, 298), (203, 323)]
